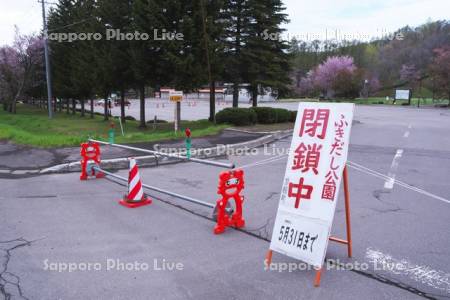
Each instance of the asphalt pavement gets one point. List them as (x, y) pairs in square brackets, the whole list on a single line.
[(400, 231)]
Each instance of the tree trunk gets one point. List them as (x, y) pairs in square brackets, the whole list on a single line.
[(92, 108), (122, 105), (142, 103), (74, 106), (82, 108), (235, 94), (68, 106), (212, 101), (237, 45), (254, 93), (410, 97), (106, 108)]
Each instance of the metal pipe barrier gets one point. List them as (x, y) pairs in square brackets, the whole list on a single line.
[(197, 160), (196, 201)]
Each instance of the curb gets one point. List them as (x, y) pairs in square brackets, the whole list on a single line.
[(156, 160), (222, 150)]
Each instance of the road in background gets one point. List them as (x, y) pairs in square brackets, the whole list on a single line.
[(400, 233)]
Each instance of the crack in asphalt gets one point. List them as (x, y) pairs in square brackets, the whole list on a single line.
[(262, 231), (270, 196), (5, 275), (184, 181), (37, 197), (378, 193)]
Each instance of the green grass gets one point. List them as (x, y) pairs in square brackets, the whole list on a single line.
[(31, 126)]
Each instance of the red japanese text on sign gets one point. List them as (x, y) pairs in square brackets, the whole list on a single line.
[(314, 120), (329, 188)]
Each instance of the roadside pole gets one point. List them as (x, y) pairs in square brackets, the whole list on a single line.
[(47, 63), (176, 96), (121, 126)]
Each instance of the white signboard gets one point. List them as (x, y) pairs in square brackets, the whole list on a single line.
[(402, 94), (317, 158)]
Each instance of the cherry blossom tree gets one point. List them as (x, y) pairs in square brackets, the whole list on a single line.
[(440, 71), (409, 73), (20, 68), (326, 74), (306, 85)]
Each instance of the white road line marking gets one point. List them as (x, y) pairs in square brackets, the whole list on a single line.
[(406, 134), (434, 278), (371, 172), (389, 184)]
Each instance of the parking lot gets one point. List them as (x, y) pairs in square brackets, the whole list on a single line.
[(400, 231), (163, 109)]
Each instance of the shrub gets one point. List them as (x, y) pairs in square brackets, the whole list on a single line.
[(269, 115), (265, 115), (157, 121), (236, 116), (130, 118), (283, 115)]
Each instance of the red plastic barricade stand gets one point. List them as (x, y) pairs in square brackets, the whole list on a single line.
[(90, 155), (347, 242), (135, 196), (231, 183)]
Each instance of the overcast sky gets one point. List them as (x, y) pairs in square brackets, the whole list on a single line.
[(310, 19)]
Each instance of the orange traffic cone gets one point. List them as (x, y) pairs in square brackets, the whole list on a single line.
[(136, 196)]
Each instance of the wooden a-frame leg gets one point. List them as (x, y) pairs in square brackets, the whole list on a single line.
[(317, 278), (347, 212), (268, 259)]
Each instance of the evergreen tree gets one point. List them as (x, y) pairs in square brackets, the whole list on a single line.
[(61, 52), (213, 41), (104, 58), (83, 69), (146, 56), (236, 17), (117, 15), (265, 53)]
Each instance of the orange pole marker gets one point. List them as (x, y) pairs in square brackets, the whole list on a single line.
[(268, 259)]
